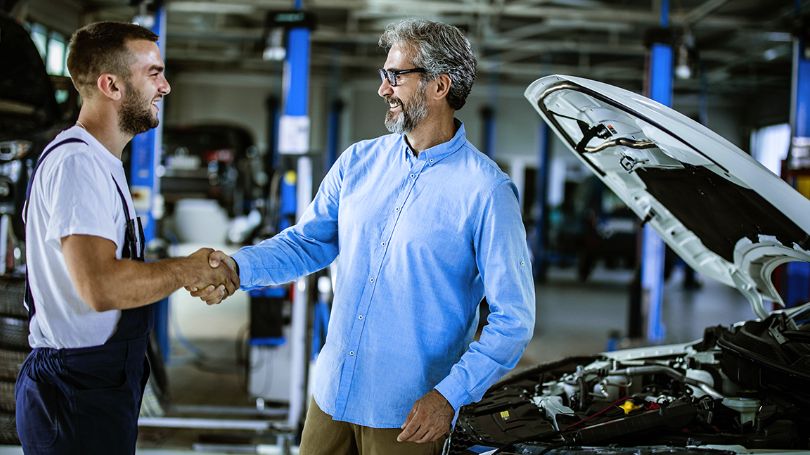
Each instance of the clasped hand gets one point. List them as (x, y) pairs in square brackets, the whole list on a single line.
[(214, 276)]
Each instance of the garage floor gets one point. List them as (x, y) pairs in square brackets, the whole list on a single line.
[(572, 318)]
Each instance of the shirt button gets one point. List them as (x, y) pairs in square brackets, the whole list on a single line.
[(383, 243), (396, 209), (371, 279), (413, 176), (431, 160), (360, 317), (351, 352)]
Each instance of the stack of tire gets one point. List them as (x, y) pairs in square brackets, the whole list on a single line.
[(13, 350)]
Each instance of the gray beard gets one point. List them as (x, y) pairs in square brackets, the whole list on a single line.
[(409, 116)]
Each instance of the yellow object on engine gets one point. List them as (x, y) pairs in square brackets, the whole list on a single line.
[(629, 407)]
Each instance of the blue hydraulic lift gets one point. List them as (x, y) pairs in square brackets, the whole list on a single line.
[(797, 274), (145, 152), (488, 131), (652, 249), (294, 140), (541, 258)]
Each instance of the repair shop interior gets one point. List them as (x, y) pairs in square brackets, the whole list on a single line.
[(651, 297)]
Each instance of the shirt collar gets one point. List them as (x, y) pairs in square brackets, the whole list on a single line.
[(441, 151)]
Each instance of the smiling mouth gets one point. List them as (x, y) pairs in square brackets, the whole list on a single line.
[(393, 103)]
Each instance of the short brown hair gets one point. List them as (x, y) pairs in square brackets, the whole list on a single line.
[(100, 48)]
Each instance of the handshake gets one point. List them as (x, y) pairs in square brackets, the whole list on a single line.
[(210, 275)]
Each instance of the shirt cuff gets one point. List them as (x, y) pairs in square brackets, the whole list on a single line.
[(453, 392), (243, 269)]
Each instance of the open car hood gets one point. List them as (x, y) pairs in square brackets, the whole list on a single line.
[(725, 214)]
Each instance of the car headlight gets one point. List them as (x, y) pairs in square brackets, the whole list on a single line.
[(14, 150)]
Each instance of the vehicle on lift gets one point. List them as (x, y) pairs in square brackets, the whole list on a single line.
[(740, 389), (29, 115), (593, 225), (215, 161)]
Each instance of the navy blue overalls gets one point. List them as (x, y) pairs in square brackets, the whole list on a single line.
[(86, 400)]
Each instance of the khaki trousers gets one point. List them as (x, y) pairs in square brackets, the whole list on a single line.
[(324, 436)]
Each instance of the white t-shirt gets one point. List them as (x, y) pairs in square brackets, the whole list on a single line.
[(73, 193)]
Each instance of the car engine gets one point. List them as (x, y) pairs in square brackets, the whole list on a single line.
[(744, 387)]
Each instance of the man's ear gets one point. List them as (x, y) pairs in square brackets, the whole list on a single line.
[(110, 86), (443, 83)]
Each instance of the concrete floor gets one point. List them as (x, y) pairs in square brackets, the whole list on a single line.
[(572, 318)]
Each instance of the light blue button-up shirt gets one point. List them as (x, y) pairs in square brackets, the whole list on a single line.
[(420, 241)]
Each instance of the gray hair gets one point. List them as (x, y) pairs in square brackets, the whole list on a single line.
[(440, 49)]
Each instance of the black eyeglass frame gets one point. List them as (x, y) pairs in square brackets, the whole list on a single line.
[(392, 75)]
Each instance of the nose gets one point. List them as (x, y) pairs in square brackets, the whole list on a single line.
[(385, 88), (165, 88)]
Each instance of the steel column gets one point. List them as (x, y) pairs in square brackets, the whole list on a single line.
[(488, 131), (294, 140), (653, 250), (797, 275), (146, 149), (540, 198)]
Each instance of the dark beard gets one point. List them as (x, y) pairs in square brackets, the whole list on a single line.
[(134, 118), (410, 114)]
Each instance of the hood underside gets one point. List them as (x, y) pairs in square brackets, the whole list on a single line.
[(721, 211)]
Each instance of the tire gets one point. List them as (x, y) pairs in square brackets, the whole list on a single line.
[(12, 293), (7, 402), (14, 333), (8, 429), (10, 363), (151, 405)]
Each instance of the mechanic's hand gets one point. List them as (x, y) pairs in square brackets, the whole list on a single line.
[(211, 281), (211, 294), (429, 419)]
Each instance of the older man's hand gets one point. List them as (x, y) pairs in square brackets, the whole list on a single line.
[(429, 419)]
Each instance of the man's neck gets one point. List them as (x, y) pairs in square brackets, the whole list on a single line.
[(431, 132), (104, 127)]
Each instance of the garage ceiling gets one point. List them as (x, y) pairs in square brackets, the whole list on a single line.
[(733, 47)]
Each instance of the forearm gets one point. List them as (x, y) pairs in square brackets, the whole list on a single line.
[(282, 259), (131, 284), (484, 363)]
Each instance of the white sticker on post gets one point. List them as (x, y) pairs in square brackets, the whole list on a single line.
[(293, 135), (141, 198)]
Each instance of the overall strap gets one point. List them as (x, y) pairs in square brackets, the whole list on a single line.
[(29, 297), (42, 157)]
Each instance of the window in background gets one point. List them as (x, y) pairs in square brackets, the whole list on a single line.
[(52, 46), (55, 60), (769, 146), (39, 35)]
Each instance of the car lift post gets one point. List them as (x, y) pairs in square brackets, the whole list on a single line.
[(294, 140), (652, 249), (797, 274), (541, 195), (146, 150), (488, 131)]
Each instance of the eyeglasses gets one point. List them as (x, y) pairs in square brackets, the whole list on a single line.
[(392, 75)]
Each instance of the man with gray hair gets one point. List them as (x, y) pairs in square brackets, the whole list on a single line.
[(424, 225)]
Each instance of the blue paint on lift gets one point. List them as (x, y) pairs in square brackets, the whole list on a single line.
[(653, 250), (145, 152)]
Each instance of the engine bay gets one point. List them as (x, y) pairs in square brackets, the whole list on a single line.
[(744, 386)]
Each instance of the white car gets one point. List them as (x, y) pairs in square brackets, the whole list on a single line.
[(740, 389)]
